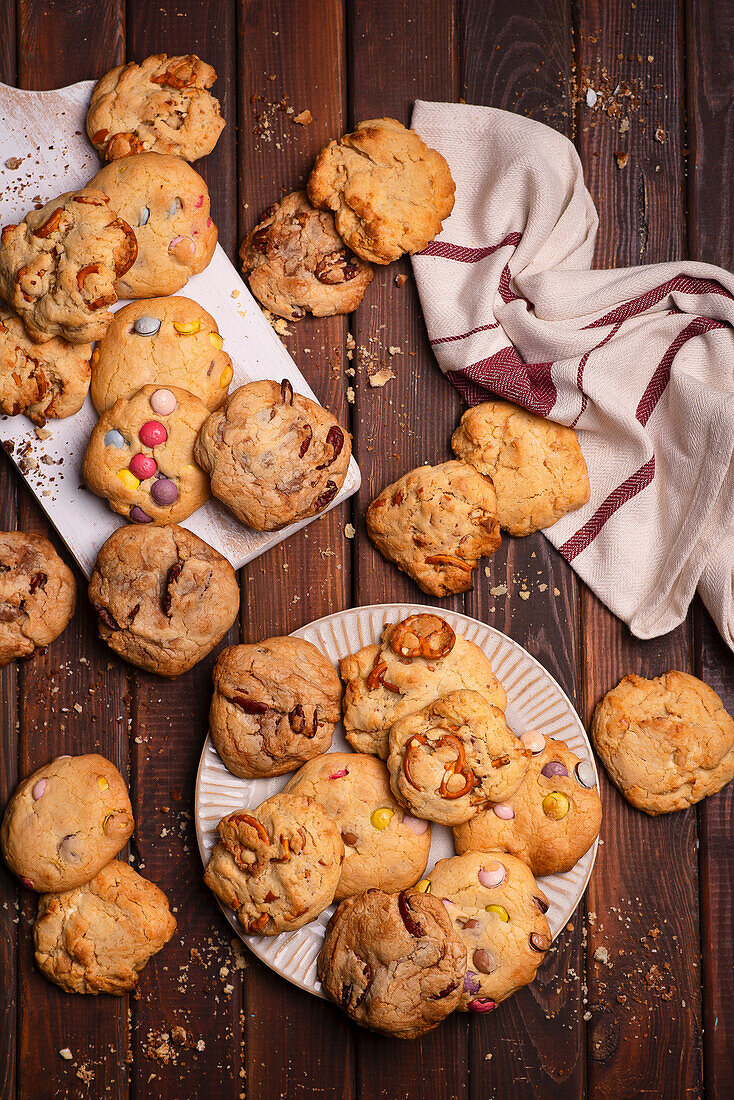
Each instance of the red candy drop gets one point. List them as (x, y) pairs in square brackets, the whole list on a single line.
[(143, 466), (152, 434)]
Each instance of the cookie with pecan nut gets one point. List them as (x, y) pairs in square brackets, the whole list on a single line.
[(393, 962), (276, 866), (273, 456), (435, 523), (162, 105), (59, 266), (37, 595), (44, 381), (163, 597), (297, 262), (274, 706)]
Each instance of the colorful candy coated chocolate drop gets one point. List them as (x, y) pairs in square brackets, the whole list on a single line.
[(114, 439), (215, 340), (67, 850), (226, 376), (585, 774), (482, 961), (176, 205), (144, 215), (64, 757), (534, 741), (39, 789), (182, 248), (27, 882), (504, 811), (163, 402), (102, 783), (128, 479), (424, 886), (340, 774), (415, 824), (482, 1005), (556, 805), (380, 819), (152, 434), (187, 328), (471, 983), (492, 875), (143, 466), (137, 515), (199, 202), (146, 326), (554, 767), (471, 924), (95, 357), (164, 491), (500, 911)]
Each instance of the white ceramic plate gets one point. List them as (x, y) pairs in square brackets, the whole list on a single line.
[(534, 701)]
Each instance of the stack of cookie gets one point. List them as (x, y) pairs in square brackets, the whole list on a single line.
[(98, 922), (425, 714)]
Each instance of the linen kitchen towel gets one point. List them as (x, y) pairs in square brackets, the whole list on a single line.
[(638, 360)]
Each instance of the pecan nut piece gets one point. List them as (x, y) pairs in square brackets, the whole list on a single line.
[(414, 927), (327, 496), (335, 440), (106, 616), (338, 267), (173, 574)]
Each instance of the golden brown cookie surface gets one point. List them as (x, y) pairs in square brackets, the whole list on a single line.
[(37, 594), (44, 381)]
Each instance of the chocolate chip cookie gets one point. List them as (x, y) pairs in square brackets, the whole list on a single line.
[(162, 105), (384, 846), (297, 262), (276, 866), (98, 937), (163, 597), (37, 595), (44, 381), (393, 962), (435, 523), (273, 456), (275, 704), (162, 342), (388, 190), (59, 267), (550, 821), (65, 822), (167, 203)]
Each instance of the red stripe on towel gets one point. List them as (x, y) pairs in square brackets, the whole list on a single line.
[(624, 492), (459, 252), (684, 283), (463, 335)]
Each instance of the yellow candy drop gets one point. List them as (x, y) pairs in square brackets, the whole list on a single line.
[(128, 480), (424, 886), (187, 328), (95, 357), (226, 376), (500, 911), (556, 805), (215, 340), (380, 819), (102, 783)]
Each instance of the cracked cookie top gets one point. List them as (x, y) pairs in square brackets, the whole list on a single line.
[(37, 594)]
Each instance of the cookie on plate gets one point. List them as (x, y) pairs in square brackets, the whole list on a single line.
[(384, 847), (59, 266), (167, 203), (162, 105), (666, 743), (550, 821), (65, 822), (37, 595), (98, 937), (418, 660), (273, 456), (536, 465), (435, 523), (388, 190), (450, 759), (165, 342), (297, 262), (498, 909), (276, 866), (274, 706), (140, 456), (393, 962), (163, 597), (44, 381)]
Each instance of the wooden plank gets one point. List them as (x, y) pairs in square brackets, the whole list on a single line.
[(518, 56), (295, 1044), (644, 1034), (710, 43)]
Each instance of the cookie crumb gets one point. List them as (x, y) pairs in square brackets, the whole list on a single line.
[(401, 280), (349, 531), (395, 350), (601, 955), (380, 377), (660, 135), (13, 162), (66, 1054), (350, 394), (499, 590), (621, 159), (303, 118)]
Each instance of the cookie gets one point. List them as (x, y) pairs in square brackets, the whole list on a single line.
[(666, 743), (140, 456), (65, 822), (536, 465), (276, 866), (274, 706), (162, 342), (297, 262), (162, 105), (417, 661), (450, 759), (550, 821), (59, 267), (167, 203), (388, 190), (44, 381), (498, 909), (383, 846), (393, 962), (98, 937), (163, 597), (435, 523), (37, 595), (273, 456)]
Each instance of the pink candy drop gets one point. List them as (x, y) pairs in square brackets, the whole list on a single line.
[(493, 875), (39, 790), (143, 466), (152, 434), (339, 774), (481, 1006), (415, 824), (504, 811), (199, 202), (534, 741)]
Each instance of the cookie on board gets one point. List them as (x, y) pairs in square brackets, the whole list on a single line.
[(37, 595)]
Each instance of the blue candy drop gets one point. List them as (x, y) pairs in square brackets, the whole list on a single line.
[(146, 326), (114, 439)]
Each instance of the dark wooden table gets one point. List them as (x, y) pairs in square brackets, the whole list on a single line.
[(636, 997)]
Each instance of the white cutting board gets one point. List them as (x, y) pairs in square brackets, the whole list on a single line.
[(46, 130)]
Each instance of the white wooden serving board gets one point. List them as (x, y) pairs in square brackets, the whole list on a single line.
[(46, 130)]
